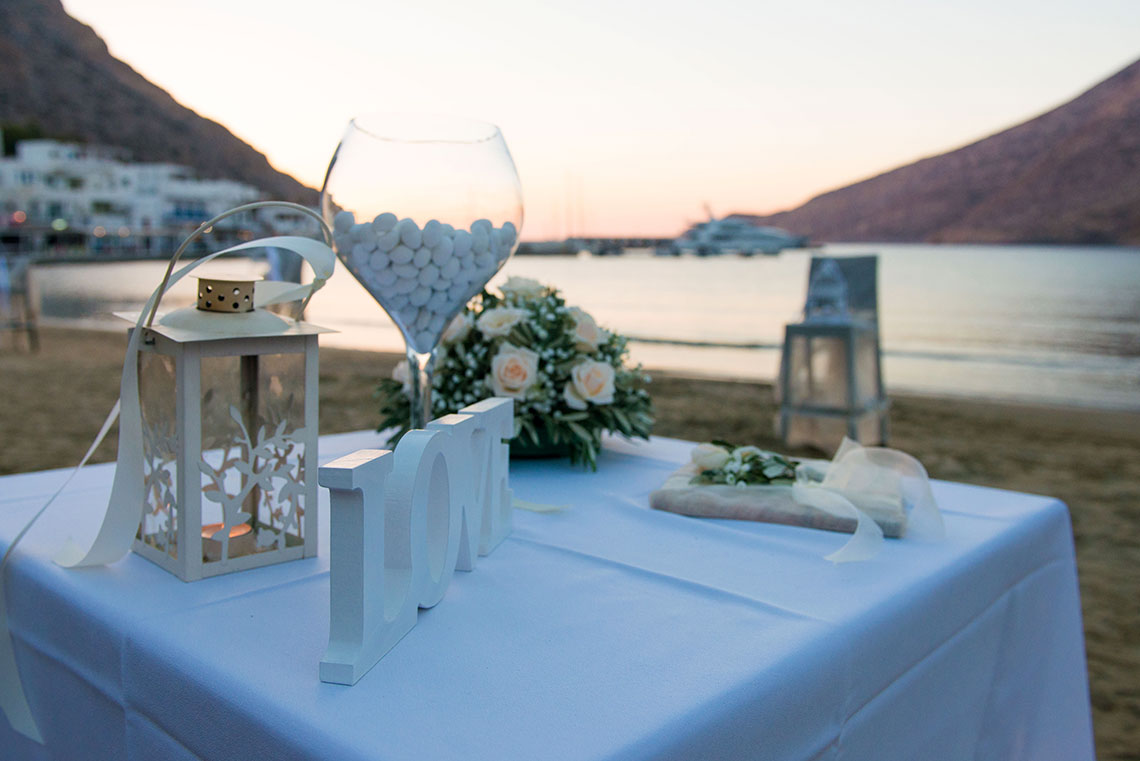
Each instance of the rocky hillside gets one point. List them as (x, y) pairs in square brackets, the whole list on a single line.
[(1071, 175), (58, 76)]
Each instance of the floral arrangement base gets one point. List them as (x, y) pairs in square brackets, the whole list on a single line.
[(567, 375)]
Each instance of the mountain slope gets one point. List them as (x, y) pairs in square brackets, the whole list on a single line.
[(1071, 175), (55, 72)]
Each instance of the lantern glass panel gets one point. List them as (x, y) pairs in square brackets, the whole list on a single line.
[(159, 526), (820, 371), (866, 369), (253, 453)]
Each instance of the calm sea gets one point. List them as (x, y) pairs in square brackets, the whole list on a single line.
[(1031, 323)]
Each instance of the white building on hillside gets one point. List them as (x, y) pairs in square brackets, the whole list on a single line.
[(56, 195)]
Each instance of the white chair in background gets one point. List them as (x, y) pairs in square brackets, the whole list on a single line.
[(831, 380)]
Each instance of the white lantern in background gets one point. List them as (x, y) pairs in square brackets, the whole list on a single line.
[(228, 399)]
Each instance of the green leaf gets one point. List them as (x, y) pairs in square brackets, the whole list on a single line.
[(591, 455), (645, 420), (528, 428), (774, 469), (581, 433)]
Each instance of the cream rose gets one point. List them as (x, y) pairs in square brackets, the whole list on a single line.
[(709, 456), (513, 371), (587, 335), (498, 322), (523, 288), (458, 329), (590, 381)]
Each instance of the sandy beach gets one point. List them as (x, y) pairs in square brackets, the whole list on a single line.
[(55, 401)]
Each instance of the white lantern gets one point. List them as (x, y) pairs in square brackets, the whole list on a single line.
[(218, 432), (228, 399)]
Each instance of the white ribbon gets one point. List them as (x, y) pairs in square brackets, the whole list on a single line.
[(867, 475), (872, 473), (121, 516), (867, 539)]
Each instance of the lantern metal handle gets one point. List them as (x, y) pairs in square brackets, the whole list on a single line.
[(208, 224)]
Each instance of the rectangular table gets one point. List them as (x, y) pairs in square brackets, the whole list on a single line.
[(604, 631)]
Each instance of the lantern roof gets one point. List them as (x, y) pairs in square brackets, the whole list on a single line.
[(191, 324)]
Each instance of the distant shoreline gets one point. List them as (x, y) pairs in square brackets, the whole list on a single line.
[(110, 325), (98, 349)]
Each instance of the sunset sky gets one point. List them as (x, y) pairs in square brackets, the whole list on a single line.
[(626, 117)]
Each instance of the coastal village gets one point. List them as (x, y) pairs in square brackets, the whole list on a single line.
[(64, 198)]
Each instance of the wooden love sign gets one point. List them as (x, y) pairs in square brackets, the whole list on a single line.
[(402, 522)]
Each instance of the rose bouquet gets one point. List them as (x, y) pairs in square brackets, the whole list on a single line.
[(567, 375)]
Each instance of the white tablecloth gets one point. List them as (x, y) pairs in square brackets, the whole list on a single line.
[(605, 631)]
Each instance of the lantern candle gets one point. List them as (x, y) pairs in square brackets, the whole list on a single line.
[(213, 528), (241, 540)]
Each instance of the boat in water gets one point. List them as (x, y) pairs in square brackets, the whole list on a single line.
[(731, 235)]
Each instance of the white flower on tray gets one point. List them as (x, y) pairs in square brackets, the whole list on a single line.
[(566, 374), (709, 456)]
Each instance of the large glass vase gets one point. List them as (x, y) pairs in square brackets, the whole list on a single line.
[(425, 210)]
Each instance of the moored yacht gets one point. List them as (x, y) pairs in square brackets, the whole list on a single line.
[(735, 236)]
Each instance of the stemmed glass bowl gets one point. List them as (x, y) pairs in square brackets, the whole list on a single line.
[(425, 210)]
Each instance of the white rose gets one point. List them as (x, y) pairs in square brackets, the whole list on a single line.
[(400, 373), (513, 371), (587, 335), (748, 453), (522, 288), (458, 329), (499, 321), (590, 381), (709, 456)]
